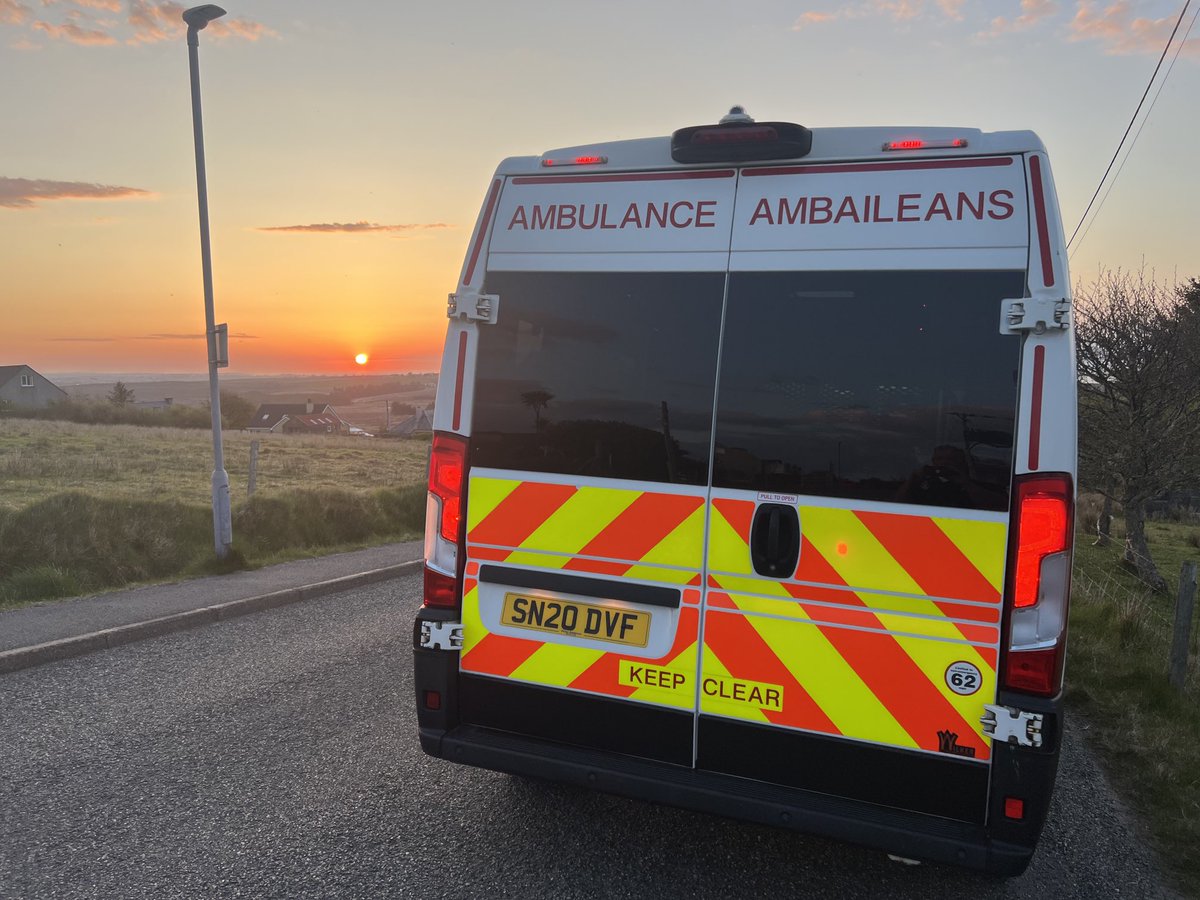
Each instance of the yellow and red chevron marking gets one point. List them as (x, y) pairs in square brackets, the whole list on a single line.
[(878, 608), (846, 608), (937, 558), (573, 667), (650, 536), (869, 685), (605, 530)]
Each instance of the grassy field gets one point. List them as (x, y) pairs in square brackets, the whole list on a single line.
[(1147, 732), (89, 507)]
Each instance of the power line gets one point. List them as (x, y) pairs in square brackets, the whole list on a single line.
[(1133, 119), (1137, 134)]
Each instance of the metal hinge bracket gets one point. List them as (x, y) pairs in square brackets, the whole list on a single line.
[(475, 307), (441, 635), (1036, 314), (1012, 726)]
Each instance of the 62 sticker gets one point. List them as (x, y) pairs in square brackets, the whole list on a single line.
[(963, 678)]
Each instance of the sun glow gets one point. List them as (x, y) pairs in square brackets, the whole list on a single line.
[(361, 359)]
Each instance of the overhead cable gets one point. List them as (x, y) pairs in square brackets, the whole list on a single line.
[(1133, 119), (1137, 134)]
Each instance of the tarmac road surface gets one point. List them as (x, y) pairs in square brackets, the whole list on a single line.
[(276, 756)]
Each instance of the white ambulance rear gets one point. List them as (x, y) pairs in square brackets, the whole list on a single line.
[(752, 482)]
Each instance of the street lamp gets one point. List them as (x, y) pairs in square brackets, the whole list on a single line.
[(217, 335)]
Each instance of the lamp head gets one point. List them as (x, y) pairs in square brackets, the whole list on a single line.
[(199, 16)]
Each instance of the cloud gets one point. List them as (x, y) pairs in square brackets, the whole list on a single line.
[(25, 193), (154, 22), (1032, 12), (12, 12), (812, 18), (150, 337), (165, 336), (951, 8), (1120, 33), (349, 227), (104, 5), (896, 10), (75, 34)]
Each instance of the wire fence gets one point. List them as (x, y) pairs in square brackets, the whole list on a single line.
[(1139, 603), (1110, 583)]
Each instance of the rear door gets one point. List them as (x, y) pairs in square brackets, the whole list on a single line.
[(590, 446), (861, 470)]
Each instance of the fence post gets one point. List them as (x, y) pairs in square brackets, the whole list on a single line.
[(250, 484), (1183, 624)]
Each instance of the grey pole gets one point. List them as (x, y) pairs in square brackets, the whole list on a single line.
[(197, 18)]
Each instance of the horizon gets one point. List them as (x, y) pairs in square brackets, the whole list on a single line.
[(342, 196)]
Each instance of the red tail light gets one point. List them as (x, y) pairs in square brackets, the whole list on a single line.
[(447, 468), (1039, 583), (445, 537), (1043, 527), (440, 590)]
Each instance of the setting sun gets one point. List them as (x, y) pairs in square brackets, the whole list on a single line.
[(361, 359)]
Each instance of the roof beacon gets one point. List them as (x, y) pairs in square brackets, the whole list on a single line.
[(737, 115)]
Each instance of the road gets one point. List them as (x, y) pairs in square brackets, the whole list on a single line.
[(275, 756)]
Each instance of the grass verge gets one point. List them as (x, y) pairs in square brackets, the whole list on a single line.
[(75, 543), (1147, 733), (86, 508)]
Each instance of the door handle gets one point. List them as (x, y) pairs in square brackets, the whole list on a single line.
[(775, 540)]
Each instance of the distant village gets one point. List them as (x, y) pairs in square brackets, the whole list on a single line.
[(23, 389)]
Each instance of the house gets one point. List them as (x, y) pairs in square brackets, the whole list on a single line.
[(421, 423), (23, 388), (298, 418)]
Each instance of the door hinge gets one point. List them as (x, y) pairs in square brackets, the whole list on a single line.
[(441, 635), (475, 307), (1036, 314), (1012, 726)]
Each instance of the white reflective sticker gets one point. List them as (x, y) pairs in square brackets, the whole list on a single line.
[(764, 497), (963, 678)]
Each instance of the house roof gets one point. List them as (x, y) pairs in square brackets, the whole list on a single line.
[(420, 421), (268, 415), (8, 373), (317, 420)]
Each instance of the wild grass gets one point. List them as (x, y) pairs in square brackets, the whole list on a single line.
[(91, 507), (38, 459), (1147, 732)]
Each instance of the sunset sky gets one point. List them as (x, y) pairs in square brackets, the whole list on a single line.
[(349, 144)]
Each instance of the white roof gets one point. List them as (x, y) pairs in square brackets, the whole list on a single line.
[(828, 144)]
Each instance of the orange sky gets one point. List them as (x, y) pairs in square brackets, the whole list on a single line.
[(348, 146)]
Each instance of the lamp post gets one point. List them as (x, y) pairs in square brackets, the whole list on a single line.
[(217, 336)]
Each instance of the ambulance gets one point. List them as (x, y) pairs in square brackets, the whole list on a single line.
[(752, 482)]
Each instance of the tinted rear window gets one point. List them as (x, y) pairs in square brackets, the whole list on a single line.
[(599, 374), (888, 386)]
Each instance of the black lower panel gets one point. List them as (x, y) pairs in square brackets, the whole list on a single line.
[(921, 782), (572, 718)]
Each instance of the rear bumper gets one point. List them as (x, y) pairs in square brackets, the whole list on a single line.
[(894, 831), (992, 843)]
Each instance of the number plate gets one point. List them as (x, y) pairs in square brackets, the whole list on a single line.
[(585, 620)]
